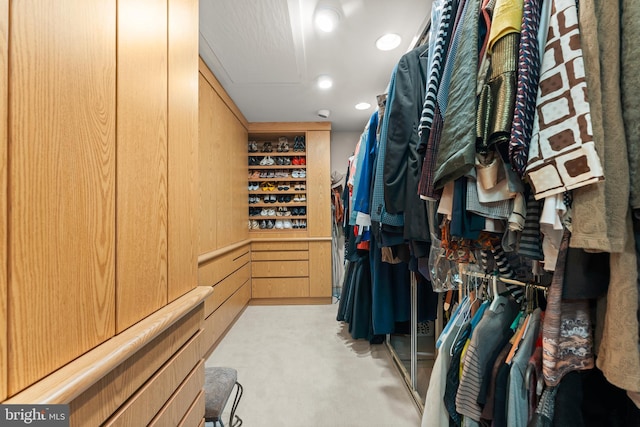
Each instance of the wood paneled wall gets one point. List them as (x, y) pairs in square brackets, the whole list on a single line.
[(222, 167), (319, 183), (98, 173), (183, 147), (4, 70), (142, 159), (62, 84)]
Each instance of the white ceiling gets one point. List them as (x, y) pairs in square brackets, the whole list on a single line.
[(267, 55)]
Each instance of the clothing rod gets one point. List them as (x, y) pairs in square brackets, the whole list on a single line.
[(505, 280)]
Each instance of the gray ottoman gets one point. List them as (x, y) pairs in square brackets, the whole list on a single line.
[(218, 385)]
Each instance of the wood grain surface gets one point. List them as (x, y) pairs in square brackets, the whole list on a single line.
[(62, 79), (318, 184), (320, 271), (141, 266), (183, 147), (4, 96), (68, 382)]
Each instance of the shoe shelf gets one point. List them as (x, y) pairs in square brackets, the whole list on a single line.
[(274, 149), (253, 167), (278, 153)]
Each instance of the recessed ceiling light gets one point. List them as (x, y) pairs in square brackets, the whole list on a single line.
[(325, 82), (388, 42), (327, 19), (363, 106)]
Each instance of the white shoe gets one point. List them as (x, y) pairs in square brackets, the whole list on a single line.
[(279, 225)]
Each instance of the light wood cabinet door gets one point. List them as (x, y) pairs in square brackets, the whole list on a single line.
[(62, 175), (183, 147), (4, 94), (141, 259)]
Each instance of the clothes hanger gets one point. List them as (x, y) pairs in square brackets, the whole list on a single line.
[(464, 315), (495, 304)]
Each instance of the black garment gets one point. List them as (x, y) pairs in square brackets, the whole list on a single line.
[(568, 411), (453, 378), (586, 274), (489, 381), (501, 395), (403, 163), (604, 404)]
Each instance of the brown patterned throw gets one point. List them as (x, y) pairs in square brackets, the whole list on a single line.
[(562, 155)]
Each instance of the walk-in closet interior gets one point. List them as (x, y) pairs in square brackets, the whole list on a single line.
[(168, 165), (489, 215)]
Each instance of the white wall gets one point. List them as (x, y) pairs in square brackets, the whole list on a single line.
[(342, 146)]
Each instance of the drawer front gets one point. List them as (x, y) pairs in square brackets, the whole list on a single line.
[(282, 287), (280, 246), (104, 398), (220, 319), (195, 413), (227, 287), (151, 398), (212, 272), (280, 256), (280, 269), (178, 405)]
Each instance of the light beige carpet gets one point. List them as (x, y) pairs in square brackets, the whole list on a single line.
[(300, 367)]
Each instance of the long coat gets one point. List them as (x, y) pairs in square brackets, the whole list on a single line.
[(403, 163)]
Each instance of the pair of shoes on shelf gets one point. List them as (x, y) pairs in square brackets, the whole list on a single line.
[(284, 198), (298, 198), (267, 161), (267, 147), (283, 211), (299, 223), (283, 144), (268, 212), (267, 186), (253, 186), (299, 211), (283, 224), (269, 199), (300, 187), (298, 144), (254, 199), (298, 161), (253, 147), (254, 174), (254, 224), (298, 173), (266, 224), (254, 161), (283, 186)]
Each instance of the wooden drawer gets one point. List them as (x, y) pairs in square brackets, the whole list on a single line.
[(279, 269), (280, 256), (212, 272), (219, 320), (195, 413), (101, 400), (279, 246), (224, 289), (151, 398), (180, 402), (282, 287)]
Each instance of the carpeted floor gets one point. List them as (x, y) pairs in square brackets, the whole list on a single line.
[(300, 367)]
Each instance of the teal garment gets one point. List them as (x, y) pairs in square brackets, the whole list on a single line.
[(361, 201), (378, 210), (456, 153), (358, 161)]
